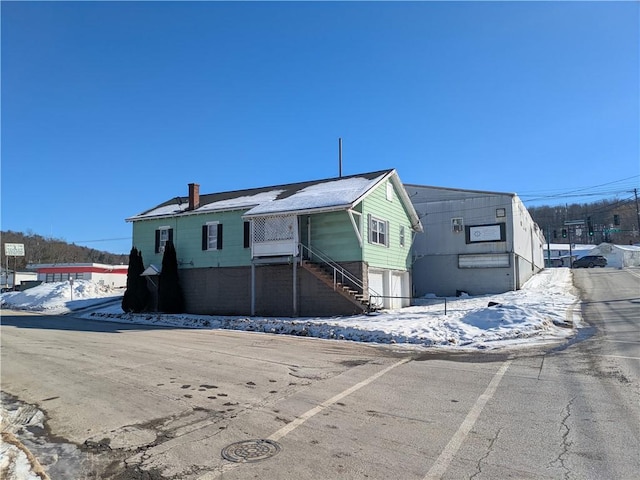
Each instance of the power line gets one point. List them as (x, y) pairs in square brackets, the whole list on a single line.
[(595, 190), (101, 240)]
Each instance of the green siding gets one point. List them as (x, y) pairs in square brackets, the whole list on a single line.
[(333, 234), (393, 256), (187, 237)]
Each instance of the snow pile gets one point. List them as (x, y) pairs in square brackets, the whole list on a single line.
[(24, 451), (543, 310), (57, 297)]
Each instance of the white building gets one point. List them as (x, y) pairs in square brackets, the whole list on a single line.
[(16, 278), (473, 241), (109, 275), (618, 256)]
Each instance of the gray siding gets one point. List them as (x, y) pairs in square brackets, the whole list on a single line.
[(440, 275), (435, 252)]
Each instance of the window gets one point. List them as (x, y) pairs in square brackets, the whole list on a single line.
[(163, 235), (501, 212), (486, 233), (212, 236), (402, 236), (378, 231), (456, 225)]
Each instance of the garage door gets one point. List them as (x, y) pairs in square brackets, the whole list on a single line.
[(376, 288), (396, 290)]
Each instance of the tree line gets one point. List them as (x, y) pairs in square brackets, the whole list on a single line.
[(39, 249), (612, 221)]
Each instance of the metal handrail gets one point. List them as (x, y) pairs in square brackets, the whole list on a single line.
[(337, 270)]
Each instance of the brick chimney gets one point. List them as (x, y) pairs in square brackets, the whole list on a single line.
[(194, 196)]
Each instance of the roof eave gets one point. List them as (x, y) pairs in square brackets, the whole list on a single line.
[(306, 211), (189, 213)]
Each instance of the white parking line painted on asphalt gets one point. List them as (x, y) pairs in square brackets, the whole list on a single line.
[(288, 428), (444, 460), (314, 411)]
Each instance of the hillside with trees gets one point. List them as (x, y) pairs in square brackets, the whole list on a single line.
[(612, 221), (39, 249)]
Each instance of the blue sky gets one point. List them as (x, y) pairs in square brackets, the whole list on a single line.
[(110, 108)]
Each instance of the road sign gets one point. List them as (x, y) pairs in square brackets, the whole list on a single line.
[(14, 249), (574, 222)]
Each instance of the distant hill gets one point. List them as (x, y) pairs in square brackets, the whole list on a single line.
[(39, 249), (612, 221)]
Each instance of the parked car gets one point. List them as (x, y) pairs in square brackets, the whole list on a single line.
[(590, 261)]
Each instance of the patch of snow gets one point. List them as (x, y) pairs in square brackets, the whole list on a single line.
[(542, 311)]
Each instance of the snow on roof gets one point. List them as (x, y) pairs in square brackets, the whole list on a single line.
[(238, 203), (336, 193)]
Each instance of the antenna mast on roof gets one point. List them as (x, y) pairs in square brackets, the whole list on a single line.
[(340, 156)]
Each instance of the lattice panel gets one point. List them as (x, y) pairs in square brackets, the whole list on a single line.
[(270, 229)]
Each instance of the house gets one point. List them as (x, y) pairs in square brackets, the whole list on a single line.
[(473, 241), (337, 246), (109, 275)]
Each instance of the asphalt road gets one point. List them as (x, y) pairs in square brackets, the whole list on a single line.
[(160, 403)]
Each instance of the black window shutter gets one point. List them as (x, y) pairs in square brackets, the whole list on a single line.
[(171, 235), (157, 241), (247, 233), (219, 246), (205, 237)]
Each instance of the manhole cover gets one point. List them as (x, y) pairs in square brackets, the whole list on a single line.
[(250, 451)]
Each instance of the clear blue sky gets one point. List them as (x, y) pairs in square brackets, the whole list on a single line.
[(110, 108)]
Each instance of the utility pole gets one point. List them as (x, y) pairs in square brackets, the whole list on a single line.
[(635, 192)]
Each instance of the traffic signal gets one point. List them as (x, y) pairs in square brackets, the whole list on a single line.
[(564, 233), (590, 226), (616, 219), (555, 234)]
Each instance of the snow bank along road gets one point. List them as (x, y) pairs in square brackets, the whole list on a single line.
[(168, 402)]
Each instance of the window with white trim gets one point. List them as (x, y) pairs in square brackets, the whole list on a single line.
[(378, 231), (163, 235), (212, 236), (402, 235)]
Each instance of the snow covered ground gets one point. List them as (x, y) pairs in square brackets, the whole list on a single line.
[(544, 310)]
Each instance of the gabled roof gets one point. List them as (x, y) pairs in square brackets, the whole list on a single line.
[(331, 194)]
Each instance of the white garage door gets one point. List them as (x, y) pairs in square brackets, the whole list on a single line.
[(376, 288), (396, 290)]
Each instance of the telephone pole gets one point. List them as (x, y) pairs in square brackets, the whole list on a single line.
[(635, 192)]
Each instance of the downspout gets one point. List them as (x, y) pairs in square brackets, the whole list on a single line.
[(253, 289), (295, 288)]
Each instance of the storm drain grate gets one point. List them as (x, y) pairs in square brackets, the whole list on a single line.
[(250, 451)]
